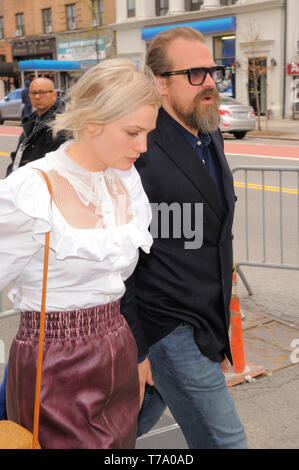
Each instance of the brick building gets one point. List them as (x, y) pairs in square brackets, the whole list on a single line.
[(56, 29)]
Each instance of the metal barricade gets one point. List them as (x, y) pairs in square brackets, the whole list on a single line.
[(6, 313), (280, 229), (264, 261), (9, 313)]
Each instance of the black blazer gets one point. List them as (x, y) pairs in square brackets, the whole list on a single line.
[(172, 283)]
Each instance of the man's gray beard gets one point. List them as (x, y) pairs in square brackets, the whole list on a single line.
[(202, 122)]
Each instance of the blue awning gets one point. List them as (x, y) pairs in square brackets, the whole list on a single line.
[(50, 65), (216, 25)]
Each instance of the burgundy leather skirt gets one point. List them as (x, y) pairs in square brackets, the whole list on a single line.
[(90, 389)]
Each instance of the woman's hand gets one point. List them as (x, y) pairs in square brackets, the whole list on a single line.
[(145, 377)]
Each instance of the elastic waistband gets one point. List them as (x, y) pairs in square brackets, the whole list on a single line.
[(75, 324)]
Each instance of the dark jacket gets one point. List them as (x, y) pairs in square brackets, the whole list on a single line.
[(26, 99), (174, 284), (38, 136)]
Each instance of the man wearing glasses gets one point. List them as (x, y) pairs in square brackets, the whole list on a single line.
[(181, 293), (36, 139)]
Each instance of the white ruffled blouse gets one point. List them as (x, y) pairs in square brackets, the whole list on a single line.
[(87, 266)]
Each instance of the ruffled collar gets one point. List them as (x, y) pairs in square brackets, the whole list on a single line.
[(66, 161), (87, 184)]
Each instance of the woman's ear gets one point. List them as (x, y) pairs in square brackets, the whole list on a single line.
[(94, 129), (161, 85)]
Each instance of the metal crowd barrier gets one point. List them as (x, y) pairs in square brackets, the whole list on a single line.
[(264, 262), (266, 235), (9, 313)]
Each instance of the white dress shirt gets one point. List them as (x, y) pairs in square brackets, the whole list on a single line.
[(87, 266)]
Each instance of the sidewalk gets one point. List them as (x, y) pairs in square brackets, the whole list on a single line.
[(267, 404), (285, 129)]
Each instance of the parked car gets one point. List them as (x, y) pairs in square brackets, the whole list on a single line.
[(12, 107), (236, 118)]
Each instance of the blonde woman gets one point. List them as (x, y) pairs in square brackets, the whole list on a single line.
[(98, 221)]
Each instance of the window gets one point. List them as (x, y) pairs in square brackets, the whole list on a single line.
[(227, 2), (257, 84), (20, 23), (71, 17), (224, 54), (97, 12), (162, 7), (15, 95), (192, 5), (131, 8), (47, 20), (1, 27)]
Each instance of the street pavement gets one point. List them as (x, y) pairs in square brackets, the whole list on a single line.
[(267, 403)]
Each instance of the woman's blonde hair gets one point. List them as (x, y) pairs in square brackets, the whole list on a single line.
[(106, 92)]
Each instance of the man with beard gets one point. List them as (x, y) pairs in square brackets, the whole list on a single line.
[(181, 291)]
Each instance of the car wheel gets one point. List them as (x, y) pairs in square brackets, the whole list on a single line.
[(240, 135), (1, 120)]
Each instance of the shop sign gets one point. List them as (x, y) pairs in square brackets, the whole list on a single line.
[(293, 68), (33, 47), (83, 49)]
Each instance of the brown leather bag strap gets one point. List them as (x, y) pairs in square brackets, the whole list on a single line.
[(42, 328)]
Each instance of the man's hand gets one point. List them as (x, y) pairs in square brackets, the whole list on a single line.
[(145, 377)]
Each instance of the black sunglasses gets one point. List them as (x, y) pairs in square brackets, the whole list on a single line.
[(40, 92), (197, 75)]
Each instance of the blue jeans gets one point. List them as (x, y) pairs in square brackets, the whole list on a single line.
[(194, 389), (3, 396)]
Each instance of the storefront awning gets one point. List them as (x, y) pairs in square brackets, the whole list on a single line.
[(216, 25), (50, 65)]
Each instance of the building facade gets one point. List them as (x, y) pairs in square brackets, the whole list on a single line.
[(72, 30), (292, 59), (252, 38), (244, 35)]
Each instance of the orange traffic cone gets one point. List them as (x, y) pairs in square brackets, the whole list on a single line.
[(235, 302), (241, 369)]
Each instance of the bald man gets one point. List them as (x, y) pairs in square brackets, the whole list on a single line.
[(42, 95), (36, 139)]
